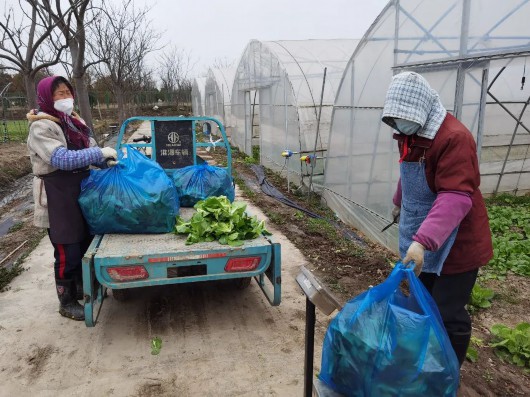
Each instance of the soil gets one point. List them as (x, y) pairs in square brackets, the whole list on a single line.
[(347, 266)]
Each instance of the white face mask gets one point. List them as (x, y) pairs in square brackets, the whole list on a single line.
[(65, 105), (407, 127)]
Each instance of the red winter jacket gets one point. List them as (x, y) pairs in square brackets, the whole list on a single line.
[(451, 164)]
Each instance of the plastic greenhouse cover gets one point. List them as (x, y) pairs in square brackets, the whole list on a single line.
[(361, 167), (197, 96), (218, 93), (288, 77)]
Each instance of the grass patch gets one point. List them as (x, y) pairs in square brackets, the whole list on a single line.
[(15, 227), (243, 186), (14, 130), (276, 218), (7, 274)]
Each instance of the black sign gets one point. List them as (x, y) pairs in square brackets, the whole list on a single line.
[(174, 143)]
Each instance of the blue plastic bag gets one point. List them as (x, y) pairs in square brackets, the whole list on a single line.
[(135, 196), (198, 182), (383, 343)]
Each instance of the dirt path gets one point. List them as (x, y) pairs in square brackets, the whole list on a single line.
[(216, 340)]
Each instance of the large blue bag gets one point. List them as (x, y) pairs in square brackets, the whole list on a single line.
[(135, 196), (198, 182), (383, 343)]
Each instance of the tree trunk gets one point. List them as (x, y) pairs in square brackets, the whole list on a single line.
[(82, 100), (120, 100), (31, 94)]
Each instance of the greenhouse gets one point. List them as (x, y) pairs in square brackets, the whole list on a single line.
[(474, 53), (218, 93), (197, 96), (278, 101)]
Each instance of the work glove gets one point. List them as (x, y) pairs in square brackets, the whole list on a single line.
[(415, 253), (396, 211), (111, 163), (109, 153)]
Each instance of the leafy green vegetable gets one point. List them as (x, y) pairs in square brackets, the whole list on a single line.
[(218, 219), (480, 298), (509, 218), (513, 345), (472, 354), (156, 345)]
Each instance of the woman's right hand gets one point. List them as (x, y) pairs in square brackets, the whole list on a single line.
[(109, 153)]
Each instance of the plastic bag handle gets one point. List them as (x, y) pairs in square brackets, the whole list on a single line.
[(383, 290)]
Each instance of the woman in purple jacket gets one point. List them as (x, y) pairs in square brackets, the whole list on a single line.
[(443, 226)]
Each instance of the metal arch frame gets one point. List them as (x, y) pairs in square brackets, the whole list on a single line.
[(466, 59)]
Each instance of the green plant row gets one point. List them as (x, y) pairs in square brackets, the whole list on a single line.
[(510, 344), (510, 227)]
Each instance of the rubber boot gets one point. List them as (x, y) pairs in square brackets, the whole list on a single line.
[(69, 306), (460, 343), (79, 293)]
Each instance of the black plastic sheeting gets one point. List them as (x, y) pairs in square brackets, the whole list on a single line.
[(271, 191)]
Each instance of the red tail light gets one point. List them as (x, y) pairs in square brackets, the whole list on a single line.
[(242, 264), (127, 273)]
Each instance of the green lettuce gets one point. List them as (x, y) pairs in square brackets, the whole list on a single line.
[(218, 219)]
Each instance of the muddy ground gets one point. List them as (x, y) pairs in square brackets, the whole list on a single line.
[(345, 265)]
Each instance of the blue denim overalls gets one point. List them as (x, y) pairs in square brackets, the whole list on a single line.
[(416, 202)]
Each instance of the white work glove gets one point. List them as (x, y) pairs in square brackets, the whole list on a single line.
[(415, 253), (109, 153), (396, 211), (111, 163)]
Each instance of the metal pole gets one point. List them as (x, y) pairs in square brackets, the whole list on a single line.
[(309, 347), (4, 122), (510, 147), (318, 130)]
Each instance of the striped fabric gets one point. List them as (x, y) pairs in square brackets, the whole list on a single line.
[(68, 160), (410, 97)]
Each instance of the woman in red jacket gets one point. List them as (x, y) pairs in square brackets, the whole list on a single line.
[(443, 225)]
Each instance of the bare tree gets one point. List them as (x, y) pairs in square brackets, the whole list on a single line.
[(73, 23), (175, 67), (124, 39), (28, 46), (222, 63)]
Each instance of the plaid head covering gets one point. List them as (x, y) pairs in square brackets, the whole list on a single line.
[(410, 97)]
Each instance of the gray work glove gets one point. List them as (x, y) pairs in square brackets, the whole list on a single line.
[(396, 211), (416, 253), (109, 153)]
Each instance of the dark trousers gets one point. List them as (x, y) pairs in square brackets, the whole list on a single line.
[(451, 292), (68, 258)]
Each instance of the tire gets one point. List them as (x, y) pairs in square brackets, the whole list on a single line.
[(121, 295), (242, 283)]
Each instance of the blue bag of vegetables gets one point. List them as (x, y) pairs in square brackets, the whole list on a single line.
[(135, 196), (384, 343), (198, 182)]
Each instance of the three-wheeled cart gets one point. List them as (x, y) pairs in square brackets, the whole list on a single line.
[(123, 262)]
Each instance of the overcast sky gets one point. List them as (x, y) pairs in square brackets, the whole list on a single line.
[(221, 29)]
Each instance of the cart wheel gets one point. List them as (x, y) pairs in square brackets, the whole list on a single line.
[(120, 295), (242, 283)]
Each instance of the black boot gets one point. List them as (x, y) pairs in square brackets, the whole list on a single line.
[(69, 306), (460, 343), (79, 294)]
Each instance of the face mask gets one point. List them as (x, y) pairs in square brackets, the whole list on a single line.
[(407, 127), (64, 105)]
